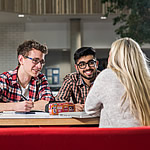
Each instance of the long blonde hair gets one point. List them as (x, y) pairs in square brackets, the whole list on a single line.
[(130, 64)]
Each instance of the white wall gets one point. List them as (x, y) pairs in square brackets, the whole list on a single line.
[(10, 37), (54, 35), (57, 35), (98, 34)]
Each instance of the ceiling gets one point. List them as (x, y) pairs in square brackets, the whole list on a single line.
[(13, 18)]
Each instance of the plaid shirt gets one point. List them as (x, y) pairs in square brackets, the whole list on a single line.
[(74, 89), (10, 90)]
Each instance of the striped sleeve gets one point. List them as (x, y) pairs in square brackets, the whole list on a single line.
[(64, 93)]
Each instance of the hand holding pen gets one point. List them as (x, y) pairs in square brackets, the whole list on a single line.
[(79, 106), (24, 105)]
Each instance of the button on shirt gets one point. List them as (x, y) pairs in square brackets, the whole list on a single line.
[(10, 90), (73, 89)]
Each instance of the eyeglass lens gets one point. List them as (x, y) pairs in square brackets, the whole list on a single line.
[(90, 63), (36, 61)]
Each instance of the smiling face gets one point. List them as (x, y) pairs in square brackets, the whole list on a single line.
[(28, 66), (89, 72)]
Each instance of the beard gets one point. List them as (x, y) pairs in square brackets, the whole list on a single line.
[(91, 77)]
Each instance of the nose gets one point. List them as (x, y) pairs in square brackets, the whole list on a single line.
[(87, 66), (39, 65)]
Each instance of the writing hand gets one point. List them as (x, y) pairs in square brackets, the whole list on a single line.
[(79, 107), (24, 106)]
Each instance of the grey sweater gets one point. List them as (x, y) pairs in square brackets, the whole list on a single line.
[(107, 91)]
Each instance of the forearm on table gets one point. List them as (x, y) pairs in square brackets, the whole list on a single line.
[(7, 107), (40, 105)]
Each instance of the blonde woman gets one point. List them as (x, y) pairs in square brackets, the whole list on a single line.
[(121, 93)]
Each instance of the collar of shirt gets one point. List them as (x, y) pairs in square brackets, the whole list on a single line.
[(81, 82)]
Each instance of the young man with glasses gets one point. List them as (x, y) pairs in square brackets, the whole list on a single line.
[(26, 88), (76, 85)]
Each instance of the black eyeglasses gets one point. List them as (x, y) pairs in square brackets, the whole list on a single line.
[(91, 63), (36, 60)]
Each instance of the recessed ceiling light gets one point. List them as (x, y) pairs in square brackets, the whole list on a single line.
[(64, 50), (21, 15), (103, 17)]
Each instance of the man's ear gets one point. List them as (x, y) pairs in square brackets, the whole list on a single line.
[(20, 59), (76, 67), (97, 62)]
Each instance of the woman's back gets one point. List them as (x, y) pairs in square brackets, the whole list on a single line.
[(123, 89), (114, 113)]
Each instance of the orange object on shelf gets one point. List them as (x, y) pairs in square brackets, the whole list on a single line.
[(56, 108)]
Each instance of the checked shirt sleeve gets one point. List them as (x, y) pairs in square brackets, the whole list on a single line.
[(64, 93), (1, 85), (45, 92)]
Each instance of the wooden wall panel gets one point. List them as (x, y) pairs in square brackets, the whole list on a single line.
[(54, 7)]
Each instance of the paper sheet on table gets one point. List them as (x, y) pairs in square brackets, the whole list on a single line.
[(13, 114), (76, 114)]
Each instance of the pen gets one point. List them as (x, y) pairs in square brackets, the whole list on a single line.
[(24, 98)]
